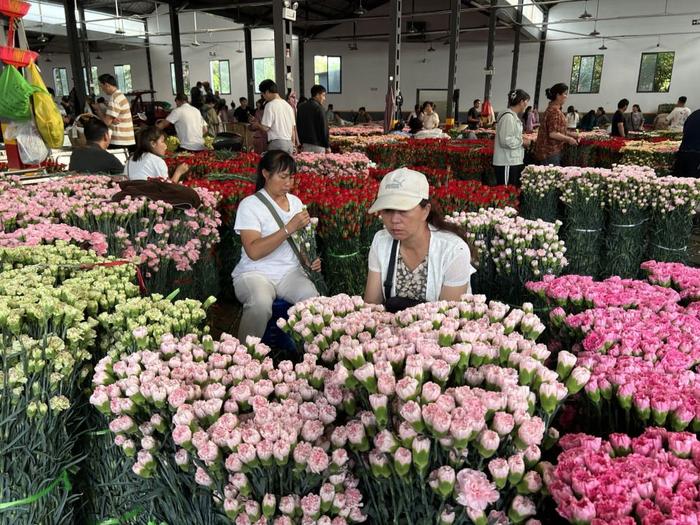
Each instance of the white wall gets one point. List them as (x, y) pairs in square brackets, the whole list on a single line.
[(364, 71), (622, 59)]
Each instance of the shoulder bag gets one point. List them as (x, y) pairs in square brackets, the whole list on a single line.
[(395, 304), (314, 277)]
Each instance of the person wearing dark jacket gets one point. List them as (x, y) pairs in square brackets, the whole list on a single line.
[(688, 156), (312, 125), (94, 157)]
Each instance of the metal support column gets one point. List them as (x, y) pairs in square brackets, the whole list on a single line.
[(249, 74), (85, 48), (76, 65), (149, 65), (452, 68), (282, 19), (516, 44), (302, 70), (490, 50), (177, 52), (394, 76), (540, 59)]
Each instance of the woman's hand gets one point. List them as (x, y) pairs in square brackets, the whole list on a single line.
[(527, 141), (573, 141), (316, 265), (180, 171), (299, 221)]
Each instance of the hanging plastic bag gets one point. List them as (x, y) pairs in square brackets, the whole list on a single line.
[(48, 119), (32, 149), (15, 94)]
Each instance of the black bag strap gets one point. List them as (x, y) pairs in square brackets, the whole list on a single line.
[(389, 281), (281, 224)]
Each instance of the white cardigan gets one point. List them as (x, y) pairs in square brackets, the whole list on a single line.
[(444, 248)]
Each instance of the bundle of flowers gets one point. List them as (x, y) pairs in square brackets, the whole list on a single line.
[(172, 143), (49, 296), (359, 144), (472, 195), (356, 131), (582, 195), (597, 149), (539, 192), (658, 155), (511, 250), (625, 480), (171, 243), (203, 163), (467, 159), (683, 278), (334, 164), (253, 434), (47, 233), (436, 177), (576, 293), (642, 364), (673, 206), (444, 390), (628, 193), (231, 192)]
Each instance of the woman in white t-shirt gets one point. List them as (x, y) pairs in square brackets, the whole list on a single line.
[(269, 267), (147, 161), (425, 258)]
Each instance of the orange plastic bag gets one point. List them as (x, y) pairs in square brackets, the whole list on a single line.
[(48, 119)]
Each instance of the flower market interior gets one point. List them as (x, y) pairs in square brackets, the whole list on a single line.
[(395, 262)]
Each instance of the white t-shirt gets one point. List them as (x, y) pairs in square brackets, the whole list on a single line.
[(188, 123), (149, 166), (449, 261), (254, 215), (279, 117), (676, 119)]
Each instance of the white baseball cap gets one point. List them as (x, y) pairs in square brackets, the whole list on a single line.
[(401, 189)]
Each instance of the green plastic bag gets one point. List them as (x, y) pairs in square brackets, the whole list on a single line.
[(15, 95)]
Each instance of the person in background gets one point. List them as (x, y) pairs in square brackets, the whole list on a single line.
[(311, 122), (232, 113), (474, 115), (601, 119), (572, 118), (259, 135), (94, 157), (531, 119), (330, 115), (67, 106), (211, 116), (244, 112), (278, 119), (552, 134), (417, 256), (688, 157), (637, 118), (303, 99), (588, 121), (429, 117), (619, 126), (189, 125), (61, 109), (222, 113), (508, 152), (118, 115), (676, 119), (268, 267), (362, 116), (147, 160), (196, 96), (415, 113)]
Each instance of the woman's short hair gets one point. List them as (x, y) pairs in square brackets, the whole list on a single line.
[(426, 104), (144, 141), (274, 162), (556, 90)]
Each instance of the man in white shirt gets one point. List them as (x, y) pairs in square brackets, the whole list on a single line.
[(189, 124), (278, 121), (676, 119)]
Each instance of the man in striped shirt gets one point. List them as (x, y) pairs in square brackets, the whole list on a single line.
[(118, 114)]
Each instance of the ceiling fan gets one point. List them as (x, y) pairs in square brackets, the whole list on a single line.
[(360, 10)]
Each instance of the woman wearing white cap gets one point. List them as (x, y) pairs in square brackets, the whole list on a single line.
[(418, 257)]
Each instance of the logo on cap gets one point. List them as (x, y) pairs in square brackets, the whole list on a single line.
[(396, 183)]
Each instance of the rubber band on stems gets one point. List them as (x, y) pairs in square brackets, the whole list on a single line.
[(61, 479), (344, 256), (586, 231), (669, 249), (629, 225)]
